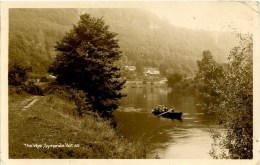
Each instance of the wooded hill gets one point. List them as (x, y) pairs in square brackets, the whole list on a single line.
[(33, 33), (145, 39)]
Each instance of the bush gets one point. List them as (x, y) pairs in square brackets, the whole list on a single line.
[(17, 75), (174, 78), (33, 89), (228, 91), (15, 89), (43, 79), (78, 97)]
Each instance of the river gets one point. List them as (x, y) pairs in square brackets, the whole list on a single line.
[(174, 139)]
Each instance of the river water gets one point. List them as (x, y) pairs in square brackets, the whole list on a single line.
[(174, 139)]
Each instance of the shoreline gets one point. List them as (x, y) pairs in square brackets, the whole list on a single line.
[(37, 132)]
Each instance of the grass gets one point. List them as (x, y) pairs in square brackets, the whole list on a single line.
[(50, 122)]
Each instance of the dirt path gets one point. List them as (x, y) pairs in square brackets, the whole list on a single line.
[(27, 103), (22, 102)]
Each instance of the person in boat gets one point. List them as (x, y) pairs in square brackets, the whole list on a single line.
[(158, 108), (172, 109), (165, 109)]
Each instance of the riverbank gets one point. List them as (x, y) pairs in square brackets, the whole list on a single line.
[(146, 84), (49, 130)]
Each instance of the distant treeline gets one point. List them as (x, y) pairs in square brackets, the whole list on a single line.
[(145, 39), (33, 33)]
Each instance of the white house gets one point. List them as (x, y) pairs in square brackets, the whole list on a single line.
[(130, 68), (151, 71)]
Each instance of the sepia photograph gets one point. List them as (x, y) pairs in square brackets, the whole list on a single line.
[(130, 80)]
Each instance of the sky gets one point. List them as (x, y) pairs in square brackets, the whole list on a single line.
[(220, 16)]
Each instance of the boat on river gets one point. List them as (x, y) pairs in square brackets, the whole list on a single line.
[(162, 111)]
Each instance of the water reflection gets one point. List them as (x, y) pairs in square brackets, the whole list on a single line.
[(191, 143), (174, 138)]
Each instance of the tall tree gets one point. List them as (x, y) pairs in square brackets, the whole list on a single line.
[(86, 61), (231, 98), (18, 74), (209, 72), (174, 78), (208, 67)]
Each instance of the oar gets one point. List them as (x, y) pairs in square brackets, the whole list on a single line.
[(162, 113)]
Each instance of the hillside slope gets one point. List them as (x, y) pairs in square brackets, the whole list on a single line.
[(144, 38), (50, 123), (33, 33)]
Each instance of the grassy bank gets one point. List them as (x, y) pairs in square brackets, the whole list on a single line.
[(50, 122)]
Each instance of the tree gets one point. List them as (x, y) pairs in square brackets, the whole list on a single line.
[(18, 74), (86, 61), (140, 67), (232, 101), (174, 78), (210, 72), (208, 68)]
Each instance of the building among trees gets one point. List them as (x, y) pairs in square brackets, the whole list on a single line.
[(151, 72), (130, 68)]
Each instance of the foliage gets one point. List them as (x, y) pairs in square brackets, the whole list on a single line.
[(129, 75), (230, 95), (33, 33), (140, 67), (174, 78), (210, 72), (209, 69), (78, 97), (50, 122), (44, 79), (142, 35), (17, 74), (31, 88), (19, 80), (86, 61)]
